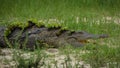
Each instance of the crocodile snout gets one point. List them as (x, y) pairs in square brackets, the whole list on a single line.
[(104, 36)]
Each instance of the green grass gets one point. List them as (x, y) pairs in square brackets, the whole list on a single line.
[(87, 15), (63, 9)]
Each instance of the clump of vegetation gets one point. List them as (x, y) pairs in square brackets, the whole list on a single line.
[(31, 60)]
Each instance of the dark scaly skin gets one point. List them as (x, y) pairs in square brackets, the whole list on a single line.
[(2, 40), (33, 36)]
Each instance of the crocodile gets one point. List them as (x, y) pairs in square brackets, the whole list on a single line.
[(34, 36)]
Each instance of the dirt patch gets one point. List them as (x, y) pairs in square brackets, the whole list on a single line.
[(54, 58)]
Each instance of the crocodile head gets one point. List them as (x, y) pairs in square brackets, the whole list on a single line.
[(83, 36)]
